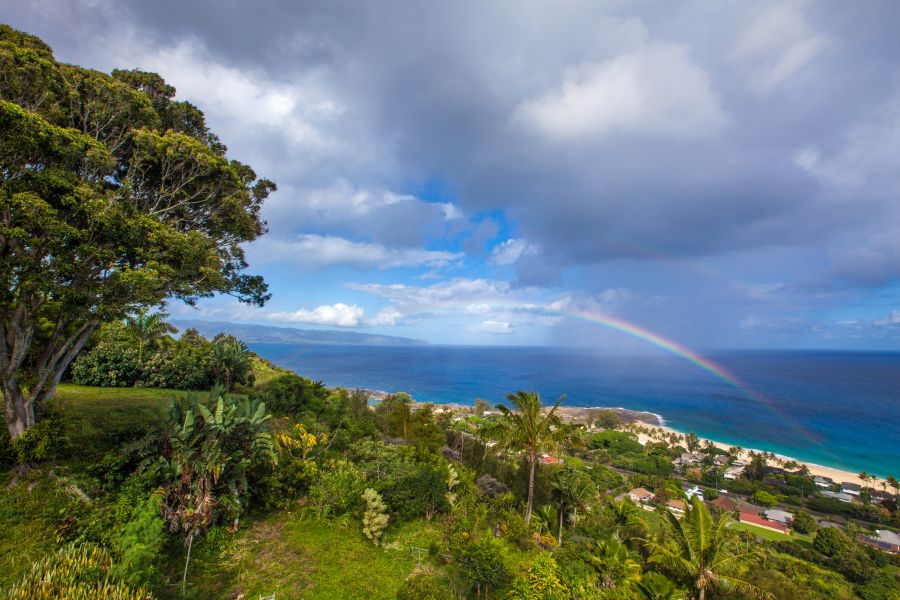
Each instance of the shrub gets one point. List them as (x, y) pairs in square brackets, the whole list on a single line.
[(182, 366), (109, 364), (337, 489), (47, 440), (375, 519), (804, 522), (421, 493), (765, 498), (482, 564), (289, 394), (74, 572), (140, 544), (541, 581), (425, 584)]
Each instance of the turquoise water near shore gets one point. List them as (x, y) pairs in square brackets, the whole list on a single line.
[(839, 409)]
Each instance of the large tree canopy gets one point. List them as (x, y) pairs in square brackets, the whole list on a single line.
[(114, 196)]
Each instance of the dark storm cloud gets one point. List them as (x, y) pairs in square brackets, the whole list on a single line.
[(604, 130)]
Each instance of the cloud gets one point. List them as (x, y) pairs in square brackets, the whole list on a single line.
[(337, 315), (779, 42), (340, 315), (656, 91), (510, 251), (319, 252), (891, 320)]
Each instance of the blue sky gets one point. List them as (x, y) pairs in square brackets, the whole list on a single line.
[(724, 174)]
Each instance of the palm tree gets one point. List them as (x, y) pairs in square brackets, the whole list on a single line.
[(895, 485), (702, 556), (570, 489), (615, 565), (231, 362), (624, 514), (864, 477), (528, 428), (145, 328), (654, 586)]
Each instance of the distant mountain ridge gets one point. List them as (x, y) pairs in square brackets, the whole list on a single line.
[(267, 334)]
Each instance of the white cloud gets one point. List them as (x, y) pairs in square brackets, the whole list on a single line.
[(340, 315), (492, 327), (656, 90), (890, 320), (319, 251), (776, 45), (510, 251)]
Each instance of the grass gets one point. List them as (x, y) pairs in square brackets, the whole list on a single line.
[(100, 419), (767, 534), (295, 557)]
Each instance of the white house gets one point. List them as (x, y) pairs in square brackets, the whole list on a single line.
[(781, 516)]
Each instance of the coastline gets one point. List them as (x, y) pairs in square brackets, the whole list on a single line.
[(655, 421)]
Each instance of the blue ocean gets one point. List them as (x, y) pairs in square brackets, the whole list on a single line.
[(840, 409)]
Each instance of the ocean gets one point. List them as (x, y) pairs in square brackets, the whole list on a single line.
[(839, 409)]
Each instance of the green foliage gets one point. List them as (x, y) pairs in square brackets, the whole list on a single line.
[(617, 442), (395, 411), (140, 544), (290, 394), (74, 573), (209, 454), (375, 517), (231, 363), (804, 522), (832, 542), (181, 366), (765, 498), (701, 556), (607, 419), (482, 563), (337, 489), (422, 493), (109, 364), (48, 440), (540, 581)]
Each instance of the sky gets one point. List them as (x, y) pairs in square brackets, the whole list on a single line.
[(723, 174)]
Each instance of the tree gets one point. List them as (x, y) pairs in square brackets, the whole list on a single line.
[(482, 562), (570, 489), (614, 564), (113, 198), (654, 586), (864, 477), (481, 407), (145, 327), (528, 428), (396, 410), (692, 442), (701, 556), (804, 522)]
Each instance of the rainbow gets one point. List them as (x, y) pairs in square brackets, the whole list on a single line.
[(654, 339)]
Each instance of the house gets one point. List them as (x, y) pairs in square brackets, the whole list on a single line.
[(823, 482), (781, 516), (676, 507), (720, 461), (758, 521), (733, 472), (641, 496), (546, 459), (850, 488), (884, 540), (838, 496), (694, 491), (726, 504)]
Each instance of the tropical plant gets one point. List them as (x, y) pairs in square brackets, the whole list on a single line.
[(74, 572), (570, 489), (654, 586), (231, 362), (207, 454), (528, 428), (375, 518), (701, 554), (614, 564), (625, 515), (146, 327)]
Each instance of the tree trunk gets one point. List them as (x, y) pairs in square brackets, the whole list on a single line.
[(186, 563), (559, 532), (19, 410), (533, 463)]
